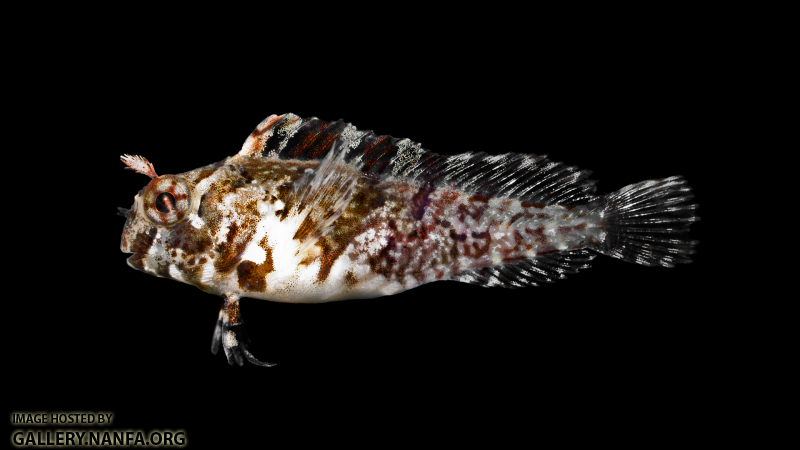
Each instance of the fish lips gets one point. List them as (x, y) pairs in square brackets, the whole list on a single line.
[(136, 261)]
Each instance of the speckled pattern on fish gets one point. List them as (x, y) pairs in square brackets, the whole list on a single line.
[(312, 211)]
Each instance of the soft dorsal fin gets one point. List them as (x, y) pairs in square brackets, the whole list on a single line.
[(528, 178), (543, 269)]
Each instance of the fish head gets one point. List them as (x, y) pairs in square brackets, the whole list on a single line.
[(163, 231)]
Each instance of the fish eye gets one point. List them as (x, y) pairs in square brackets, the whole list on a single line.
[(167, 200)]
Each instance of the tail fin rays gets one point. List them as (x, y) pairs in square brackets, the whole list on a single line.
[(646, 223)]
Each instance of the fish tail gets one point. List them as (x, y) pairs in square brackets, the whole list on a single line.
[(647, 223)]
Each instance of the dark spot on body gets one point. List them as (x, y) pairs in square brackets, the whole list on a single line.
[(454, 251), (458, 237), (514, 218), (203, 202), (378, 202), (350, 280), (143, 241), (476, 212), (376, 262), (283, 194), (533, 205), (538, 233), (478, 198), (420, 201), (162, 270), (236, 184), (247, 175), (252, 276), (482, 250), (205, 173), (230, 251), (329, 256)]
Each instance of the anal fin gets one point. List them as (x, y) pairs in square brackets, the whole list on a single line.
[(543, 269)]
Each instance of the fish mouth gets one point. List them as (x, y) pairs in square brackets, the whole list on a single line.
[(136, 261)]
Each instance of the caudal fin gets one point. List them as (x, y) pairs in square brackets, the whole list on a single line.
[(647, 222)]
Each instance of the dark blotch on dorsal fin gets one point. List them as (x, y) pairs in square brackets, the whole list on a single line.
[(528, 178)]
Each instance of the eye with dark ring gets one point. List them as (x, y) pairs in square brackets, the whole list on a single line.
[(167, 200)]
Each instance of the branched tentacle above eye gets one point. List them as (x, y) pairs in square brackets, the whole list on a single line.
[(140, 164)]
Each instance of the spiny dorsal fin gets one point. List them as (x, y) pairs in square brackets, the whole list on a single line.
[(528, 178)]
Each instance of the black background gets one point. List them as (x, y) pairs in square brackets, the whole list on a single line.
[(617, 342)]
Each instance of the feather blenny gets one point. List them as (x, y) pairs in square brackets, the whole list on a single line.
[(312, 211)]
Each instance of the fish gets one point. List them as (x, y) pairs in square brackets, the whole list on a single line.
[(312, 211)]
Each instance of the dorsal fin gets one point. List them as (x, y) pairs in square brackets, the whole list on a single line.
[(543, 269), (528, 178)]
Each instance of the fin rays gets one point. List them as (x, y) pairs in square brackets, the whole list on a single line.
[(543, 269), (531, 178)]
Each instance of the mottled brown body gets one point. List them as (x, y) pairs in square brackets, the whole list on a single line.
[(313, 211), (405, 234)]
